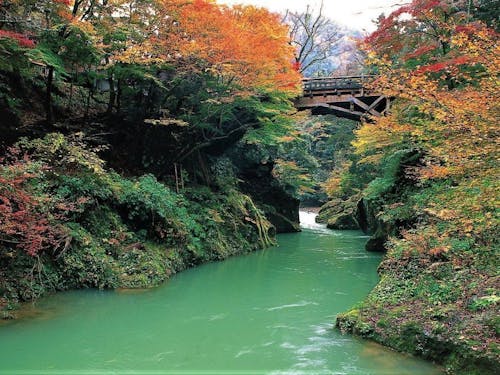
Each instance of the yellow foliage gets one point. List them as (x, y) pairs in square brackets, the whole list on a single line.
[(333, 185), (447, 108), (456, 127)]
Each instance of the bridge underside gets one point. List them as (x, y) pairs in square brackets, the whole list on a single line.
[(353, 105)]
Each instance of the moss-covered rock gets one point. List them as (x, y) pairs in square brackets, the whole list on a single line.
[(339, 214), (254, 169)]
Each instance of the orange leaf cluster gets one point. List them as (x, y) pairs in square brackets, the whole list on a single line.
[(242, 44)]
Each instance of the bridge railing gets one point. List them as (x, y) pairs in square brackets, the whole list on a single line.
[(336, 83)]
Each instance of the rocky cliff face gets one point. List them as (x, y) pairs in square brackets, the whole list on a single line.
[(366, 214), (254, 170), (380, 210)]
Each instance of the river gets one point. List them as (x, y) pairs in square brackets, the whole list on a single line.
[(270, 312)]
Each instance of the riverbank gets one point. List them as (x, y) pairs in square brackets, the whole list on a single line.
[(72, 224), (127, 258), (438, 293), (437, 301), (417, 314)]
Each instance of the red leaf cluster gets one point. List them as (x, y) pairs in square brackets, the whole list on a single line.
[(24, 221), (443, 65), (22, 39), (392, 29), (420, 51)]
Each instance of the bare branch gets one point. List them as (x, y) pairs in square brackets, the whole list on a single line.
[(314, 37)]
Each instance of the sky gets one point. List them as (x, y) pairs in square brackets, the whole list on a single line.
[(356, 14)]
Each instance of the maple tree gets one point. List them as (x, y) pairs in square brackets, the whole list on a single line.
[(25, 219), (131, 44), (447, 109), (245, 45), (452, 92), (447, 91), (22, 39)]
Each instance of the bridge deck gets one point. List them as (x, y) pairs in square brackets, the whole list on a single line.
[(346, 96)]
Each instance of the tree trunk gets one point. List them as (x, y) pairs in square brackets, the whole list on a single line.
[(119, 96), (48, 99), (89, 96), (112, 94)]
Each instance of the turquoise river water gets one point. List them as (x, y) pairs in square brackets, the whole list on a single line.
[(270, 312)]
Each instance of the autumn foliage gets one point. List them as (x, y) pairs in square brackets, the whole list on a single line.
[(22, 39), (244, 45), (206, 65), (440, 66), (444, 73), (25, 217)]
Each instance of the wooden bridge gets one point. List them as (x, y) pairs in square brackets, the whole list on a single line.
[(346, 97)]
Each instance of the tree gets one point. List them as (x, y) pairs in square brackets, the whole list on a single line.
[(315, 38), (447, 108), (27, 220), (444, 82), (437, 189), (145, 47), (242, 45)]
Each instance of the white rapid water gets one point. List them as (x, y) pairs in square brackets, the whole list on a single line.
[(308, 221)]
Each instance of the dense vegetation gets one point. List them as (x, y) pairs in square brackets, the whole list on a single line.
[(431, 187), (72, 223), (123, 129)]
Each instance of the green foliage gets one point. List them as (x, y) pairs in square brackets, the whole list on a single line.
[(124, 232), (43, 54), (484, 302), (307, 152), (64, 153), (151, 204), (86, 263), (13, 63), (378, 187), (347, 321), (487, 11), (271, 110), (394, 167), (224, 174), (293, 177), (13, 57)]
